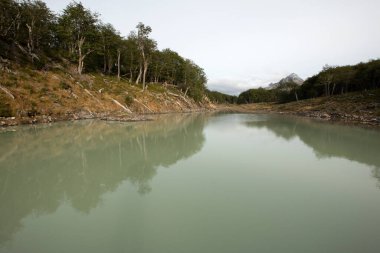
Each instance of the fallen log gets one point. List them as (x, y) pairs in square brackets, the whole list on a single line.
[(122, 106), (7, 92), (182, 97), (142, 104)]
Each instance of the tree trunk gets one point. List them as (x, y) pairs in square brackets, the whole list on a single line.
[(110, 65), (104, 59), (327, 88), (332, 92), (104, 64), (130, 69), (80, 63), (118, 64), (81, 56), (139, 76), (155, 75), (30, 39), (144, 74)]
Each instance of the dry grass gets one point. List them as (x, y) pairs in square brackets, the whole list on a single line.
[(59, 93), (359, 106)]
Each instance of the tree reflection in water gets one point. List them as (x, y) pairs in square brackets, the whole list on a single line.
[(328, 140), (78, 162)]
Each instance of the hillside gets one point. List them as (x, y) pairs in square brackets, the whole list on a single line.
[(32, 96), (356, 107), (72, 65), (331, 81)]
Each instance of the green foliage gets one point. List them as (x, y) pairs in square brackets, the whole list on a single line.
[(111, 42), (32, 111), (44, 90), (25, 30), (32, 35), (221, 98), (285, 92), (156, 87), (257, 96), (37, 22), (339, 80), (78, 33), (64, 85), (128, 100), (330, 81), (5, 108), (9, 83), (194, 80)]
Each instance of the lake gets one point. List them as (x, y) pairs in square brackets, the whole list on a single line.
[(190, 183)]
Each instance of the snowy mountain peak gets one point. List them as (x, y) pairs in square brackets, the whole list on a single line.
[(292, 78)]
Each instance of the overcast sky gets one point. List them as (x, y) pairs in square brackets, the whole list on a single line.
[(243, 44)]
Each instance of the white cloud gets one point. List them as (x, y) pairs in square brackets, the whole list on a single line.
[(235, 40), (235, 87), (232, 87)]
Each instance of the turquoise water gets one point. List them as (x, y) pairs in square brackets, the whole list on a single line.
[(190, 183)]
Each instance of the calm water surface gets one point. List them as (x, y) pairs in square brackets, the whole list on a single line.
[(195, 183)]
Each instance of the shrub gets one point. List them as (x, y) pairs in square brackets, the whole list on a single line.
[(10, 83), (129, 100), (5, 109), (64, 85), (29, 87), (44, 90), (33, 111)]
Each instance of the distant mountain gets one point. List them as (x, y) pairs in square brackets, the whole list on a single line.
[(292, 78)]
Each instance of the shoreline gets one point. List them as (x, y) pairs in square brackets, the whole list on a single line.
[(324, 116), (120, 116)]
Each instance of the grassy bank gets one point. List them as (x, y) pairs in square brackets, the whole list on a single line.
[(31, 96)]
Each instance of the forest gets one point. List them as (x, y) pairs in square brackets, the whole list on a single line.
[(32, 35), (332, 80)]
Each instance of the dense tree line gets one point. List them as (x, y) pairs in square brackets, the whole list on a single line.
[(339, 80), (221, 98), (329, 82), (256, 96), (30, 33)]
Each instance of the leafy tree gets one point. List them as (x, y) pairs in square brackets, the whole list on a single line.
[(131, 56), (7, 18), (173, 67), (111, 46), (29, 27), (339, 80), (78, 32), (38, 21), (146, 47), (157, 66), (9, 22), (194, 80), (256, 96), (221, 98)]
